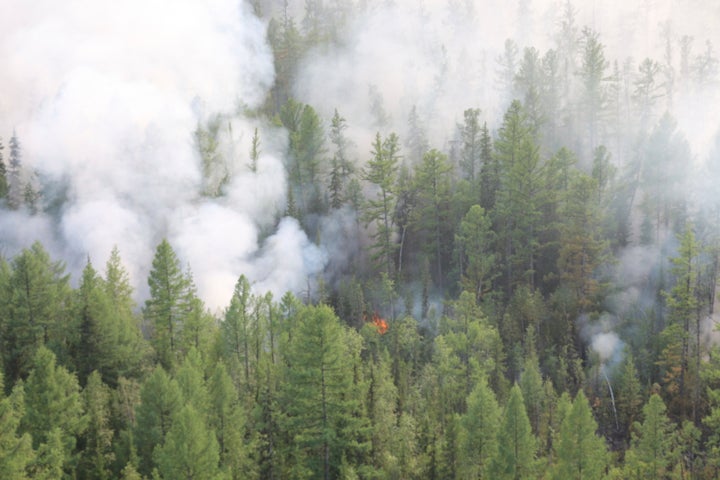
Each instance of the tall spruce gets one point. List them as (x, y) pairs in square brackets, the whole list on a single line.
[(167, 308)]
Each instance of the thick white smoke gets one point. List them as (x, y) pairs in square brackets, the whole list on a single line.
[(105, 97)]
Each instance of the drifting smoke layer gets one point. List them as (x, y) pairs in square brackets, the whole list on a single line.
[(441, 57), (105, 97)]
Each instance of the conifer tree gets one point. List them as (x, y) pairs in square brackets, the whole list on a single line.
[(475, 239), (53, 406), (167, 308), (97, 454), (4, 183), (381, 172), (131, 349), (16, 451), (652, 453), (15, 186), (160, 400), (478, 433), (36, 311), (190, 449), (515, 458), (94, 351), (580, 453), (317, 394), (236, 330), (431, 217), (228, 420), (472, 145)]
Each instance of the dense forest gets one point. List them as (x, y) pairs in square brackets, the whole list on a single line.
[(360, 240)]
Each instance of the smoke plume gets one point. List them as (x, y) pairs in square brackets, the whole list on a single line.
[(105, 97)]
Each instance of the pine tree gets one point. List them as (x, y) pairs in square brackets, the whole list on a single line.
[(166, 309), (652, 453), (35, 312), (472, 145), (475, 239), (16, 451), (682, 303), (15, 187), (381, 172), (93, 351), (190, 449), (478, 433), (228, 420), (515, 458), (581, 454), (160, 400), (130, 348), (592, 74), (4, 182), (431, 217), (97, 454), (190, 378), (317, 393), (341, 165), (53, 404), (236, 329)]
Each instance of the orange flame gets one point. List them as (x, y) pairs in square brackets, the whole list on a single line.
[(380, 324)]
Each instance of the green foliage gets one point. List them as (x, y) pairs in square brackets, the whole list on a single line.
[(190, 449), (475, 239), (97, 454), (16, 451), (166, 309), (35, 311), (515, 458), (580, 453), (381, 172), (160, 400), (652, 453), (54, 411), (317, 394), (478, 432)]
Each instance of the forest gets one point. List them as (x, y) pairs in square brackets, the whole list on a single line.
[(360, 240)]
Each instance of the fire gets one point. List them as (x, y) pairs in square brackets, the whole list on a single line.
[(380, 324)]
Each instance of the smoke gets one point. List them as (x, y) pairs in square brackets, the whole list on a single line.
[(105, 97), (441, 57), (601, 336)]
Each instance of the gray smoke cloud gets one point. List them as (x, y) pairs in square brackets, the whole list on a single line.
[(105, 97), (440, 56)]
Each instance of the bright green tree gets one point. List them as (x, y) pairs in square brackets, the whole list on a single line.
[(53, 404), (317, 393), (35, 311), (228, 420), (478, 433), (515, 458), (580, 453), (160, 400), (475, 239), (166, 309), (16, 451), (123, 324), (652, 452), (237, 329), (93, 307), (190, 450), (97, 454)]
